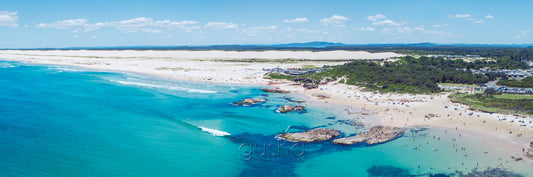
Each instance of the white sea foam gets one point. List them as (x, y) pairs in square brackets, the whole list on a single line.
[(165, 87), (66, 69), (214, 132), (7, 65)]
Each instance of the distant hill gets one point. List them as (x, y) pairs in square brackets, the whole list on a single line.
[(314, 46)]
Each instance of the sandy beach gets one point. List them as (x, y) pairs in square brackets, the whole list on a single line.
[(401, 110)]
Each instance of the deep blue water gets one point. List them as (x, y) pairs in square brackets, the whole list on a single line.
[(66, 121)]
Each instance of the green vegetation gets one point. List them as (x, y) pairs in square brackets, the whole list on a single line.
[(309, 67), (280, 76), (407, 75), (495, 103), (526, 82), (514, 97), (505, 57), (343, 81), (262, 60)]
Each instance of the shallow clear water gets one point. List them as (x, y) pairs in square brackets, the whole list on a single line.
[(67, 121)]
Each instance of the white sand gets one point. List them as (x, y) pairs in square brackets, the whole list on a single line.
[(393, 109), (210, 54), (209, 66)]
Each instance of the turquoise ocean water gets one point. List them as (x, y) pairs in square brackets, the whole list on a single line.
[(67, 121)]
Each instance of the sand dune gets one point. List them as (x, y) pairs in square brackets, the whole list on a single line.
[(210, 54)]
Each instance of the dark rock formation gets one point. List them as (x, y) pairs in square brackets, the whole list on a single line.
[(320, 96), (529, 151), (319, 134), (377, 134), (310, 85), (289, 108), (500, 172), (250, 101), (291, 100), (387, 170), (274, 90)]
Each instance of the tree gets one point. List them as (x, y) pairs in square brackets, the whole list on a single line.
[(490, 91)]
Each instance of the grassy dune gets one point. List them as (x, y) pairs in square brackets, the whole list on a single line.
[(510, 104)]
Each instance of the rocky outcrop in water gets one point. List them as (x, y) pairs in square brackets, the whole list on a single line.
[(250, 101), (500, 172), (289, 108), (291, 100), (274, 90), (376, 135), (319, 134)]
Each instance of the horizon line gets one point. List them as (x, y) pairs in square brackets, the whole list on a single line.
[(282, 45)]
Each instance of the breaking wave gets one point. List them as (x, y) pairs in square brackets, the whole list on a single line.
[(214, 132), (165, 87)]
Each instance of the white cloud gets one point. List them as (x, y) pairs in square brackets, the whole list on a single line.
[(296, 20), (435, 32), (523, 34), (376, 17), (221, 25), (420, 28), (65, 24), (148, 30), (92, 27), (335, 20), (253, 31), (406, 31), (141, 24), (186, 24), (263, 28), (306, 31), (9, 19), (440, 26), (366, 29), (467, 16), (386, 22)]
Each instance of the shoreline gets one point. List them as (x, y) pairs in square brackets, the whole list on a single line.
[(391, 109), (485, 126)]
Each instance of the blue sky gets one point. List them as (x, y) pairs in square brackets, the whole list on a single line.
[(62, 23)]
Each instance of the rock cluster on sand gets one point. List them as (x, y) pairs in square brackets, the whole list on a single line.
[(274, 90), (310, 85), (377, 134), (529, 152), (250, 101), (289, 108), (321, 96), (319, 134)]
